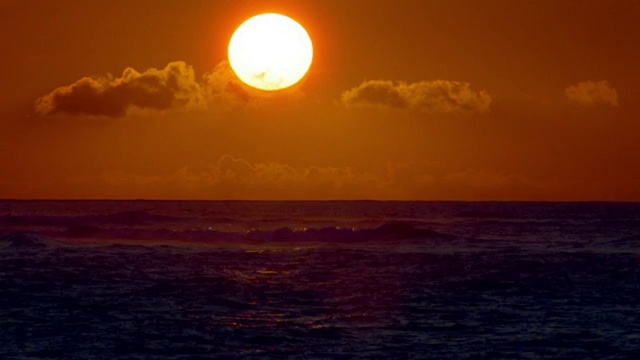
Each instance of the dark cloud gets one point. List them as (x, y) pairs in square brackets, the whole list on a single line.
[(591, 93), (172, 87), (222, 85), (439, 96)]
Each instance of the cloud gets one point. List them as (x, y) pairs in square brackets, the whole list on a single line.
[(590, 93), (236, 178), (439, 96), (239, 171), (222, 85), (172, 87)]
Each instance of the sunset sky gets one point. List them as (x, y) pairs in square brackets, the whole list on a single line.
[(406, 100)]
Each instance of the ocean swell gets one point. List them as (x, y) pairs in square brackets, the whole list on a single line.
[(393, 231)]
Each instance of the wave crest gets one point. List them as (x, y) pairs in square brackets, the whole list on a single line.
[(396, 231), (22, 241)]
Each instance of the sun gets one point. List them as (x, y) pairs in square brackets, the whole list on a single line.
[(270, 52)]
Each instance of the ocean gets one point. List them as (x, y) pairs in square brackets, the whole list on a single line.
[(309, 280)]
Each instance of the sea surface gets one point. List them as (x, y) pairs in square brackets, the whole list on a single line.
[(308, 280)]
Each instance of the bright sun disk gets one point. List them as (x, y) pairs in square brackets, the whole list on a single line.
[(270, 52)]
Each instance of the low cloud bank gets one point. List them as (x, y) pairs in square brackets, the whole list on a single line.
[(236, 178)]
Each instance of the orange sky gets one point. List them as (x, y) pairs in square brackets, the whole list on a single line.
[(425, 100)]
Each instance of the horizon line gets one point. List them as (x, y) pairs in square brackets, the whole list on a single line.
[(316, 200)]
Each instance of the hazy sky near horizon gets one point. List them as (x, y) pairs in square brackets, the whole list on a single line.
[(409, 100)]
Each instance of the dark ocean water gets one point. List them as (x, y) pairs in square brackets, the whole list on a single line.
[(306, 280)]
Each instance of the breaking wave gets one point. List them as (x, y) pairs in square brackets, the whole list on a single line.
[(387, 232), (23, 241)]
